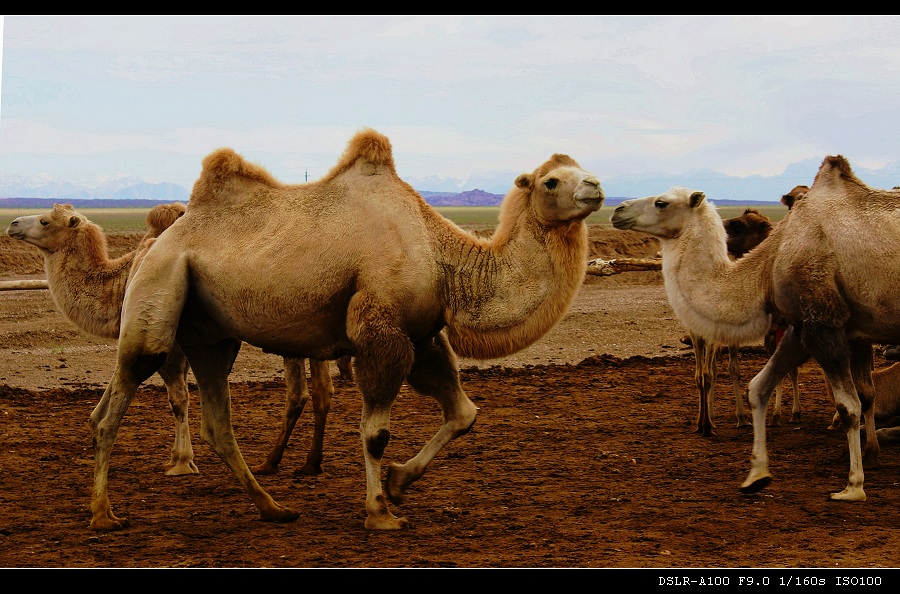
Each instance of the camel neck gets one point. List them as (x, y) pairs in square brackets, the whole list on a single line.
[(726, 301), (502, 294)]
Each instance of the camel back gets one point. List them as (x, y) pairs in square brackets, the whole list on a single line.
[(840, 245)]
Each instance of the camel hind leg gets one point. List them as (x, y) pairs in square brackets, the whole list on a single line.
[(149, 321), (434, 373), (174, 373), (211, 364), (841, 360)]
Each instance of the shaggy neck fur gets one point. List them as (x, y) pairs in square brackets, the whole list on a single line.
[(504, 293), (86, 286), (723, 300)]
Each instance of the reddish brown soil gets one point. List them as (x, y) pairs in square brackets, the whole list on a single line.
[(583, 455)]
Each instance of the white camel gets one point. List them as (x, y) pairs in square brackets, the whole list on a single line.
[(835, 284), (88, 287), (353, 264)]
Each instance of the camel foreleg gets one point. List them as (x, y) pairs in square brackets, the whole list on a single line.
[(434, 373), (788, 355), (384, 357), (705, 355)]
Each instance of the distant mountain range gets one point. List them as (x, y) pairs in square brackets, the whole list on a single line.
[(721, 188)]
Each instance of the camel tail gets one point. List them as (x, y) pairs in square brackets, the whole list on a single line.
[(369, 145), (221, 168)]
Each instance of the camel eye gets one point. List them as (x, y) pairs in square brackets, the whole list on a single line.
[(660, 204), (551, 183), (44, 223)]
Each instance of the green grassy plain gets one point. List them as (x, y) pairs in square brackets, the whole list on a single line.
[(125, 220)]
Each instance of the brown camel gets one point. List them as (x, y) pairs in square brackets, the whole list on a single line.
[(353, 264), (88, 287), (835, 284)]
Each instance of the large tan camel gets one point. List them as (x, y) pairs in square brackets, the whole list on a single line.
[(353, 264), (835, 284), (88, 287)]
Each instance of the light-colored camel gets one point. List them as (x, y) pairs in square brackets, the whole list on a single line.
[(88, 287), (743, 233), (355, 263), (835, 284)]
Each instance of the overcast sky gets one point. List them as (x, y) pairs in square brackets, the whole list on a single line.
[(87, 98)]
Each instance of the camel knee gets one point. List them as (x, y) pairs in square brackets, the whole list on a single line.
[(376, 444)]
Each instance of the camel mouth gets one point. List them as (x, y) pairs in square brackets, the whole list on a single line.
[(621, 222), (591, 203), (15, 233)]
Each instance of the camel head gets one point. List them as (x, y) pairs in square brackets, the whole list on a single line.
[(162, 216), (746, 231), (794, 195), (48, 231), (665, 215), (558, 192)]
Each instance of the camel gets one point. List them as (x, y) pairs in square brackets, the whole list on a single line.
[(356, 263), (88, 287), (743, 233), (834, 284)]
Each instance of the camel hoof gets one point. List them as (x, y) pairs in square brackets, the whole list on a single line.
[(108, 524), (279, 514), (751, 486), (397, 482), (264, 469), (795, 419), (308, 470), (186, 469), (389, 522), (850, 494)]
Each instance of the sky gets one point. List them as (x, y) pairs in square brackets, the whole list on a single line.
[(466, 100)]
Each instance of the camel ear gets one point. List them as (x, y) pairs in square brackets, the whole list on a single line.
[(697, 198), (524, 180), (73, 221)]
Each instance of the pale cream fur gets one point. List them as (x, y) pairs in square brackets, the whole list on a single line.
[(353, 264), (830, 268)]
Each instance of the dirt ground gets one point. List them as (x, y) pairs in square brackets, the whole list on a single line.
[(583, 456)]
